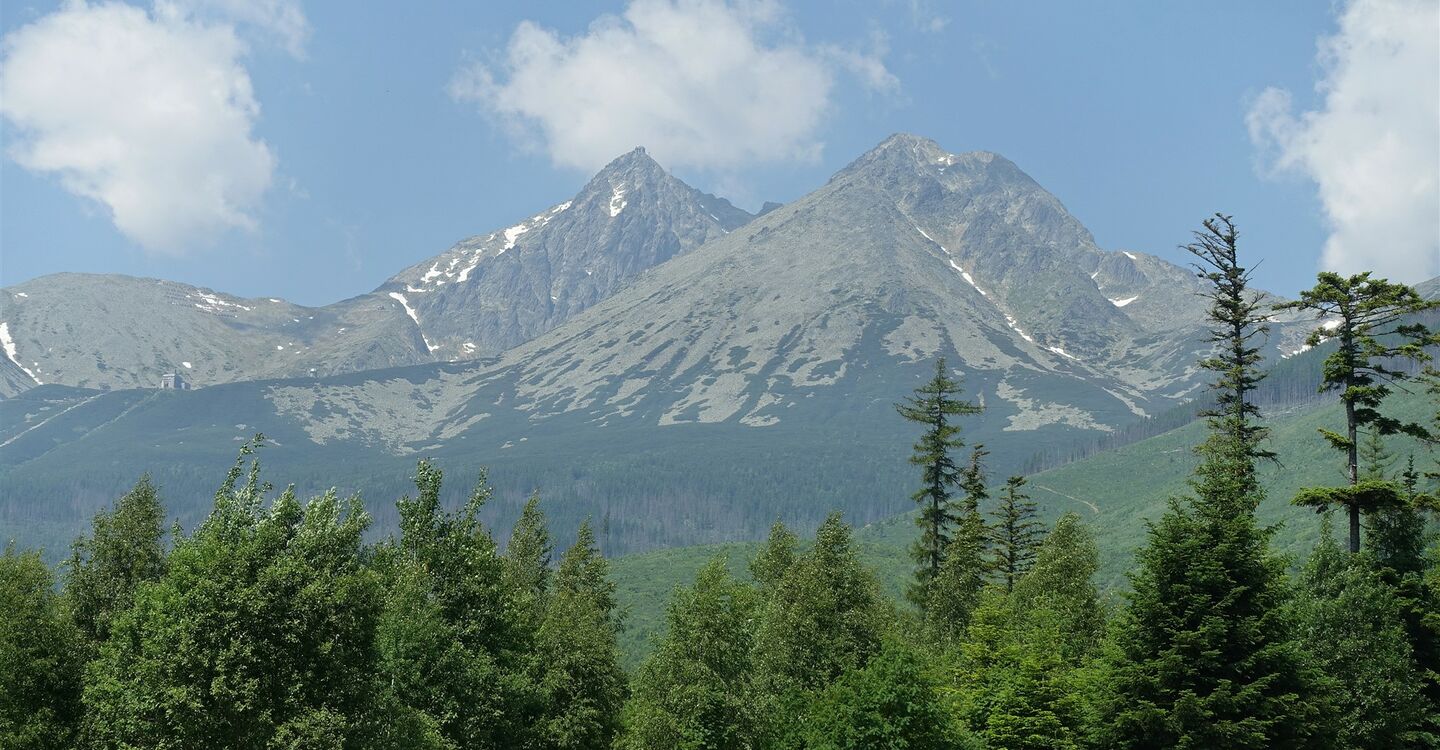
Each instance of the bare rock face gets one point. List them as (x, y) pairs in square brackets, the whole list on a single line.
[(494, 291), (486, 294)]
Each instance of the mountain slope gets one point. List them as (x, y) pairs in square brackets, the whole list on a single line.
[(494, 291), (110, 331), (486, 294), (747, 379)]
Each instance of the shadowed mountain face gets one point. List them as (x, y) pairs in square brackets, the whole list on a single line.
[(492, 292), (748, 374), (485, 295)]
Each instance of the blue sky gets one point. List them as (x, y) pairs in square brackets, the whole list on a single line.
[(358, 138)]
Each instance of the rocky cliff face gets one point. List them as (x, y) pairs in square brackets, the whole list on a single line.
[(494, 291)]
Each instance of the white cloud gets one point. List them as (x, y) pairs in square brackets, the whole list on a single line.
[(281, 19), (148, 113), (699, 83), (1373, 146)]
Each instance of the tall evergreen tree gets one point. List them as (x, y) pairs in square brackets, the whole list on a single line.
[(955, 592), (125, 548), (1015, 535), (40, 658), (1371, 322), (1204, 654), (580, 677), (693, 691), (935, 406)]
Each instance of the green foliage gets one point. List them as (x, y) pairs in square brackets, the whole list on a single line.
[(823, 617), (448, 637), (1351, 623), (695, 689), (125, 548), (580, 676), (1062, 583), (775, 558), (261, 631), (40, 669), (933, 405), (1204, 654), (1015, 535), (1372, 322), (1014, 687), (891, 703)]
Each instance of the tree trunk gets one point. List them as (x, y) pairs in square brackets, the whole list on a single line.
[(1352, 453)]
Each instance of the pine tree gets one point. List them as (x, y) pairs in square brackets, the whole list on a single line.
[(1204, 654), (1015, 535), (934, 405), (1351, 622), (1370, 321), (126, 547), (694, 690), (580, 677), (967, 564), (40, 658)]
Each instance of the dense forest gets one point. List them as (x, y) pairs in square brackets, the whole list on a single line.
[(278, 623)]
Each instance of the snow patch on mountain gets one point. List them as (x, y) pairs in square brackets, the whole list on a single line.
[(617, 200), (10, 351)]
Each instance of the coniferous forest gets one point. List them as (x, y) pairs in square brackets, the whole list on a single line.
[(284, 623)]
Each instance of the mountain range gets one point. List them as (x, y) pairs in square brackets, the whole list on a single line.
[(643, 353)]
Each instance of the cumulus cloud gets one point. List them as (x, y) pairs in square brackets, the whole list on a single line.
[(281, 20), (1373, 147), (700, 83), (148, 113)]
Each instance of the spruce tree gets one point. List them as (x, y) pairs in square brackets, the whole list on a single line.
[(1015, 535), (126, 547), (956, 590), (1371, 322), (1204, 654), (935, 406)]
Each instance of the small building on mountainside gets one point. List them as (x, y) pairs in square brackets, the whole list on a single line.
[(174, 381)]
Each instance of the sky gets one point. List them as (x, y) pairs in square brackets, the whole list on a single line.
[(309, 150)]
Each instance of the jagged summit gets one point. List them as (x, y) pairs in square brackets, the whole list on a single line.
[(909, 155), (491, 292)]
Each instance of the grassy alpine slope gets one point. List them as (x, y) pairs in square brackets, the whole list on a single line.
[(1116, 492)]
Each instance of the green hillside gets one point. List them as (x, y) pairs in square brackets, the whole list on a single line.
[(1116, 492)]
